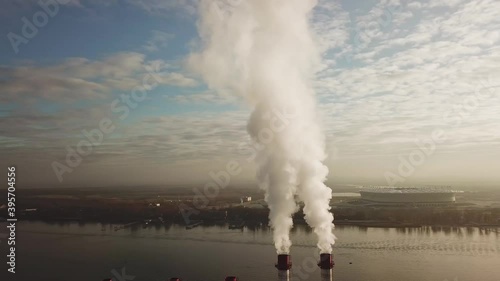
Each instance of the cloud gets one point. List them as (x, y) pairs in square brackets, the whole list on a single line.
[(82, 79), (34, 140), (390, 76), (159, 40), (208, 97), (176, 79), (412, 69), (17, 9), (45, 107), (331, 23), (162, 7)]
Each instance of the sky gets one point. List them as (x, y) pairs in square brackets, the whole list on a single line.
[(98, 93)]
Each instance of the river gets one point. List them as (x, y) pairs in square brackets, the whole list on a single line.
[(93, 251)]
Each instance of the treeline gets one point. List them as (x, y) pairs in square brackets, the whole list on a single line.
[(175, 212)]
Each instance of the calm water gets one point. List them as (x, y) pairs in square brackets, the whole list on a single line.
[(92, 251)]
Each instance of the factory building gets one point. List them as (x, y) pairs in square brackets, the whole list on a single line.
[(245, 199), (408, 195)]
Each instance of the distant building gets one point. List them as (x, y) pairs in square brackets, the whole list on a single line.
[(408, 195), (245, 199)]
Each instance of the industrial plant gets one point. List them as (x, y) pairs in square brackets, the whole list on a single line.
[(408, 195)]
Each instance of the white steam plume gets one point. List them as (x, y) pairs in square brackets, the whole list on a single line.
[(264, 51)]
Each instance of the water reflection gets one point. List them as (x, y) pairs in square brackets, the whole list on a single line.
[(470, 231), (447, 239), (372, 251)]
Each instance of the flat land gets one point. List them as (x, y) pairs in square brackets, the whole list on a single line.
[(187, 205)]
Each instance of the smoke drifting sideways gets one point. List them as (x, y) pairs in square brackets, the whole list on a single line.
[(264, 51)]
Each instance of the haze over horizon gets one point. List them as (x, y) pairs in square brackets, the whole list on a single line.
[(396, 76)]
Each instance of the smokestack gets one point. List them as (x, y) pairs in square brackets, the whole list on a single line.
[(284, 264), (326, 264)]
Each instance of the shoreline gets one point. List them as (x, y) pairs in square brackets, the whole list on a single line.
[(253, 224)]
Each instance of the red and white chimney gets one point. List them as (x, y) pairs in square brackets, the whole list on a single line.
[(326, 264), (284, 264)]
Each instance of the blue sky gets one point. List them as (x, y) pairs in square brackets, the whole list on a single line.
[(393, 73)]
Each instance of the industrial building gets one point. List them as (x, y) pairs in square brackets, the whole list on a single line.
[(408, 195)]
